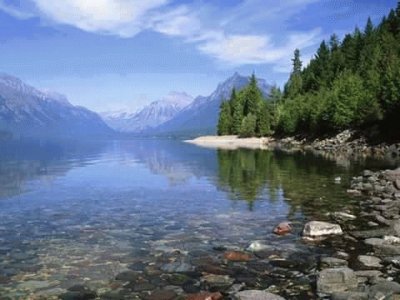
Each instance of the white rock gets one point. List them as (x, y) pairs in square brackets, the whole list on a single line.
[(257, 295), (369, 261), (320, 229), (258, 246)]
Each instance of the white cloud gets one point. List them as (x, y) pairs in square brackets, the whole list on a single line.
[(120, 17), (252, 32)]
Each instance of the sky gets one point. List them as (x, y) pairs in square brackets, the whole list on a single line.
[(112, 55)]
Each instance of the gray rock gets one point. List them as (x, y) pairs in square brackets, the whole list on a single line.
[(320, 229), (349, 296), (367, 261), (332, 262), (368, 274), (336, 280), (217, 282), (256, 295), (384, 289), (382, 247), (343, 216)]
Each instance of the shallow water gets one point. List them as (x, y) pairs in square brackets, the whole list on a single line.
[(82, 213)]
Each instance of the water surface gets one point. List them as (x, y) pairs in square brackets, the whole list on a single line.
[(82, 213)]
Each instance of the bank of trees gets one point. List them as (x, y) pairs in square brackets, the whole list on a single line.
[(353, 83), (246, 113)]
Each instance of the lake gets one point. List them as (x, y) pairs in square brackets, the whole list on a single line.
[(125, 218)]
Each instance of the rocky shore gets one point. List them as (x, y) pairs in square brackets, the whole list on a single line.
[(349, 143)]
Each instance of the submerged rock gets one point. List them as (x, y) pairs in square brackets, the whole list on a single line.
[(205, 296), (257, 246), (332, 262), (336, 280), (283, 228), (317, 229), (237, 256), (256, 295), (217, 282)]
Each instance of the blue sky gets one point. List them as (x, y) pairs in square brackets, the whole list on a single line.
[(122, 54)]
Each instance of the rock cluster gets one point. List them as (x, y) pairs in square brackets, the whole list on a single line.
[(378, 269), (345, 143)]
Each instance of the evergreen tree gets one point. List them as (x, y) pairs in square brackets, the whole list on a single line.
[(252, 97), (248, 128), (225, 119), (237, 112), (295, 83)]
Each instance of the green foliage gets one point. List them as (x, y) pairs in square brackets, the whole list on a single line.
[(225, 119), (246, 113), (350, 84), (248, 128)]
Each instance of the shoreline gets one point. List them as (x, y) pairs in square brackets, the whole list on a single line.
[(347, 143), (230, 142)]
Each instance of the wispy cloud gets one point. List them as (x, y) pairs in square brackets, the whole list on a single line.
[(252, 32)]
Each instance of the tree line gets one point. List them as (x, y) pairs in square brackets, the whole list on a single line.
[(353, 83)]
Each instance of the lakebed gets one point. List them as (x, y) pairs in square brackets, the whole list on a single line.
[(150, 219)]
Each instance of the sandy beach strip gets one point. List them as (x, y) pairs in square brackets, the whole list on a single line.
[(230, 142)]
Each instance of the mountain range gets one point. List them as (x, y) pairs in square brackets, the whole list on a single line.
[(29, 112), (151, 116), (184, 117)]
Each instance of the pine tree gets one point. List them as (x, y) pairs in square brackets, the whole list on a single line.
[(295, 83), (248, 128), (225, 119), (237, 112), (252, 97)]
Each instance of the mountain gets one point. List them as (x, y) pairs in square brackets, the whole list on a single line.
[(152, 115), (28, 112), (201, 116)]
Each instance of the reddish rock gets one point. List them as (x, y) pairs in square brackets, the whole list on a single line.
[(205, 296), (283, 228), (236, 256)]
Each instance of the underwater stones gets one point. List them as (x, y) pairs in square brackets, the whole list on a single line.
[(236, 256), (318, 229), (217, 282), (336, 280), (127, 276), (205, 296), (283, 228), (78, 292), (177, 267), (343, 216), (161, 295), (332, 262), (256, 295), (257, 246)]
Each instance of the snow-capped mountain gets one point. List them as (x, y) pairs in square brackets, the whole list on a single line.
[(151, 116), (29, 112), (201, 116)]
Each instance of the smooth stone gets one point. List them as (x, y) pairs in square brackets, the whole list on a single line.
[(283, 228), (319, 229), (384, 288), (217, 283), (256, 295), (369, 274), (205, 296), (369, 261), (236, 256), (336, 280), (332, 262), (382, 247), (343, 216), (397, 184), (257, 246)]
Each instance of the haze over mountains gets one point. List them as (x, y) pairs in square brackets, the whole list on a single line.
[(28, 112)]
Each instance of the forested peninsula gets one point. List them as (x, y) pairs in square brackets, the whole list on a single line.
[(353, 83)]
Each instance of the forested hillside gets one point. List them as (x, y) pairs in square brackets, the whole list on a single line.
[(350, 83)]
